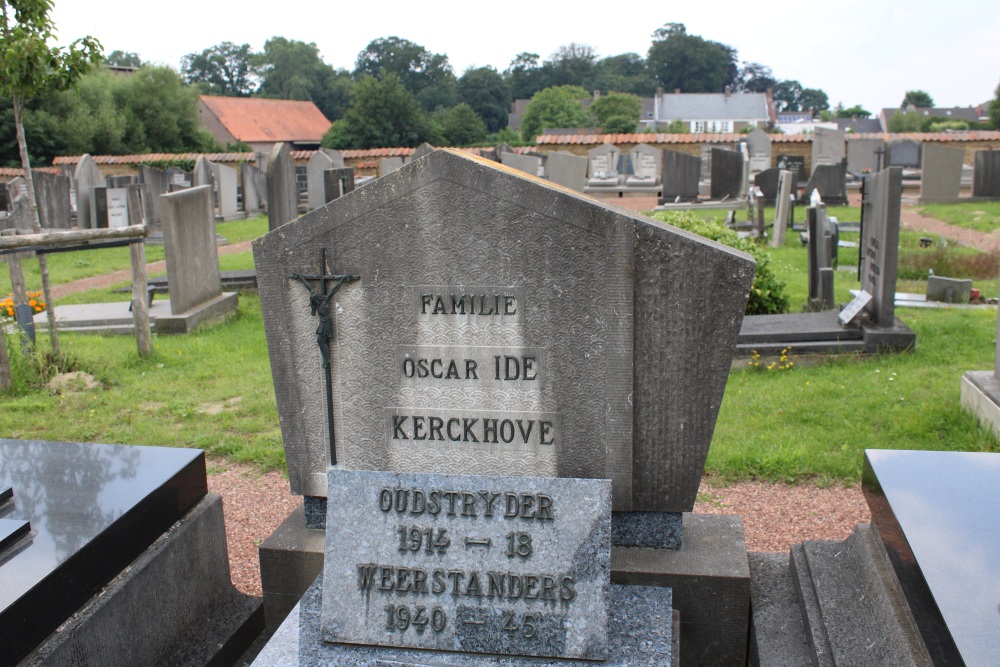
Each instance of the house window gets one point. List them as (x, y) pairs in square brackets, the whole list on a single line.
[(699, 126)]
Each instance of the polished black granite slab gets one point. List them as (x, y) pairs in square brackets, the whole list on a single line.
[(937, 514), (93, 509)]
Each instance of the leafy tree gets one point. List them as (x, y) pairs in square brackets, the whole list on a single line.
[(815, 99), (30, 67), (336, 136), (571, 65), (919, 98), (687, 62), (384, 113), (119, 58), (852, 112), (292, 70), (483, 89), (457, 126), (617, 112), (334, 98), (427, 75), (676, 126), (994, 110), (755, 78), (524, 76), (224, 69), (788, 95), (626, 73), (558, 106)]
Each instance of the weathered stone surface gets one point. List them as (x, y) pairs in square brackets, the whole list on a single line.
[(759, 149), (158, 182), (880, 244), (830, 181), (644, 166), (529, 164), (282, 193), (604, 168), (189, 246), (390, 164), (681, 173), (225, 190), (727, 174), (863, 156), (52, 197), (86, 177), (828, 147), (986, 174), (108, 207), (422, 150), (903, 153), (597, 308), (508, 565), (201, 174), (566, 169), (941, 172), (252, 183), (948, 290), (783, 205), (315, 175), (337, 183)]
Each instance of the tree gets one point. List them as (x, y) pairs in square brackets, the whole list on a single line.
[(919, 98), (626, 73), (755, 78), (29, 67), (483, 89), (571, 65), (334, 97), (384, 114), (791, 96), (815, 99), (224, 69), (852, 112), (994, 109), (617, 112), (558, 106), (687, 62), (292, 70), (123, 59), (457, 126), (524, 76), (427, 75)]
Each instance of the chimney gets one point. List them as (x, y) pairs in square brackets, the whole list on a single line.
[(729, 91), (677, 91)]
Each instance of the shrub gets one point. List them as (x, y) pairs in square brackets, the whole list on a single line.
[(767, 293)]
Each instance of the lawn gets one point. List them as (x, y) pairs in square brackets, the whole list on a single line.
[(980, 216)]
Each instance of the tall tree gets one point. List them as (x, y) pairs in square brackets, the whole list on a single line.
[(457, 126), (558, 106), (483, 89), (571, 65), (617, 112), (687, 62), (524, 76), (625, 73), (29, 67), (994, 109), (118, 58), (918, 98), (427, 75), (815, 99), (292, 70), (755, 78), (224, 69), (788, 95), (383, 114)]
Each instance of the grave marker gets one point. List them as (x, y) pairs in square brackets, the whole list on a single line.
[(225, 190), (986, 174), (158, 182), (87, 177), (903, 153), (829, 147), (831, 181), (941, 173), (251, 180), (863, 156), (529, 164), (52, 194), (282, 192), (566, 169), (337, 183), (604, 166), (880, 243), (783, 205), (109, 207), (681, 174), (316, 169), (759, 147), (645, 166), (727, 174)]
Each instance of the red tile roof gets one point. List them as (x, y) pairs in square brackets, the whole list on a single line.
[(255, 119), (14, 172), (160, 157), (597, 139)]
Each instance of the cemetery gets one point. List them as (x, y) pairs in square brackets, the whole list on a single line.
[(676, 389)]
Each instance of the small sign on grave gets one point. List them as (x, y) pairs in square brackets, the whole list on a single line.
[(472, 563), (854, 308)]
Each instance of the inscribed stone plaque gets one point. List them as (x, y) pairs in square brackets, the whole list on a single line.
[(829, 146), (941, 172), (727, 174), (501, 325), (904, 153), (681, 173), (482, 564), (86, 177), (880, 243)]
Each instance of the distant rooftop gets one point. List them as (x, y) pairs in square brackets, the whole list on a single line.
[(260, 120)]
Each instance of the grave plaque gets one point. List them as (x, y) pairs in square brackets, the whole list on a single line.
[(492, 323), (941, 173), (317, 194), (795, 164), (863, 155), (86, 177), (109, 207), (986, 174), (727, 174), (681, 173), (282, 194), (904, 153), (566, 169), (880, 243), (481, 564), (529, 164), (829, 146)]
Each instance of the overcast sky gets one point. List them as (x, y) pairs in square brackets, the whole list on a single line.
[(867, 53)]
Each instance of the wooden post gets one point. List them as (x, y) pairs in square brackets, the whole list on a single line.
[(20, 290), (6, 380), (140, 305)]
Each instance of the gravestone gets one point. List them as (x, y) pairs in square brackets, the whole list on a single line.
[(316, 176), (941, 175), (251, 180), (503, 340), (282, 193), (604, 168), (980, 393), (727, 174), (177, 179), (903, 153), (139, 204), (681, 175), (863, 156), (795, 164), (20, 207), (948, 290), (986, 174), (831, 181), (422, 150), (783, 206), (645, 166), (337, 183), (109, 207), (225, 179), (336, 156), (880, 243), (87, 177), (828, 147), (529, 164), (193, 276), (390, 164), (566, 169), (158, 182), (121, 181), (201, 174), (759, 147), (767, 182), (53, 200), (822, 248)]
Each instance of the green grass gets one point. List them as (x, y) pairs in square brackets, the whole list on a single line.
[(980, 216)]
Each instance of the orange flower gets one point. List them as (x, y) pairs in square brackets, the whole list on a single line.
[(32, 303)]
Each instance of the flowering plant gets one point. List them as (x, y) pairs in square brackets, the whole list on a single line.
[(7, 306)]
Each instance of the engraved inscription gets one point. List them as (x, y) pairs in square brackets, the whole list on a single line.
[(481, 366), (467, 302), (524, 429)]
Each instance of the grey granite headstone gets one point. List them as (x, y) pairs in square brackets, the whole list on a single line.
[(20, 207), (986, 174), (225, 190), (681, 174), (831, 181), (645, 166), (391, 164), (767, 182), (759, 147), (880, 243), (178, 179), (87, 177), (783, 205), (903, 153), (52, 197), (422, 150), (863, 156), (529, 164), (820, 259), (828, 147), (559, 355), (793, 163), (566, 169), (336, 157), (189, 245), (251, 181), (604, 168), (503, 147), (282, 195), (139, 204), (109, 207), (948, 290), (201, 174), (337, 183), (941, 173), (315, 175), (727, 174), (476, 564), (121, 180), (158, 182)]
